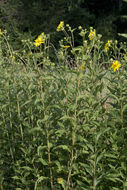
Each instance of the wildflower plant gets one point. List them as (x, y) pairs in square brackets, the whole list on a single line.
[(64, 127), (107, 45), (92, 34), (116, 65), (40, 39)]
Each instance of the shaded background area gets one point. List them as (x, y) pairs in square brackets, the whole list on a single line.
[(25, 18)]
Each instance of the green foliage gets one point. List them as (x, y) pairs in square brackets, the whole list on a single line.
[(63, 126)]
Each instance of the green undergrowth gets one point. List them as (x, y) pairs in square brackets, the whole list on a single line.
[(64, 127)]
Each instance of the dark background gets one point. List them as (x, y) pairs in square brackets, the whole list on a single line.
[(28, 18)]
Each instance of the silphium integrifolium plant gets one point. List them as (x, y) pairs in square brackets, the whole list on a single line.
[(65, 127), (117, 122)]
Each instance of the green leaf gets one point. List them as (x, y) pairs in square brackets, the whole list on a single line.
[(115, 188), (91, 147), (41, 178), (123, 35), (124, 107), (110, 155), (101, 133), (81, 97), (67, 118), (64, 147), (115, 97), (123, 165), (35, 129), (43, 161), (40, 148), (16, 177), (99, 158), (27, 168), (59, 166)]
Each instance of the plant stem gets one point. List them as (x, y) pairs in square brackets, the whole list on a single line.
[(48, 142), (73, 137), (18, 108), (49, 158), (95, 177)]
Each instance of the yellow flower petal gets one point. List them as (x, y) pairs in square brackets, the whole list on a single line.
[(107, 45), (92, 34), (40, 39), (66, 46), (116, 65), (60, 26)]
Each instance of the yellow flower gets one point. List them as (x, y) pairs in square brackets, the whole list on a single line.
[(66, 46), (116, 65), (92, 34), (60, 26), (107, 45), (40, 39), (0, 32)]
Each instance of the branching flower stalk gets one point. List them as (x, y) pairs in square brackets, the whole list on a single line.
[(67, 35)]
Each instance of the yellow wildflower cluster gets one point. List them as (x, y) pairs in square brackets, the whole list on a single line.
[(92, 34), (40, 39), (107, 45), (116, 65), (60, 27)]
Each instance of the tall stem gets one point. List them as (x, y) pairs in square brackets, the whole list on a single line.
[(48, 141), (73, 137), (18, 108), (121, 104), (95, 177), (9, 48), (49, 158)]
